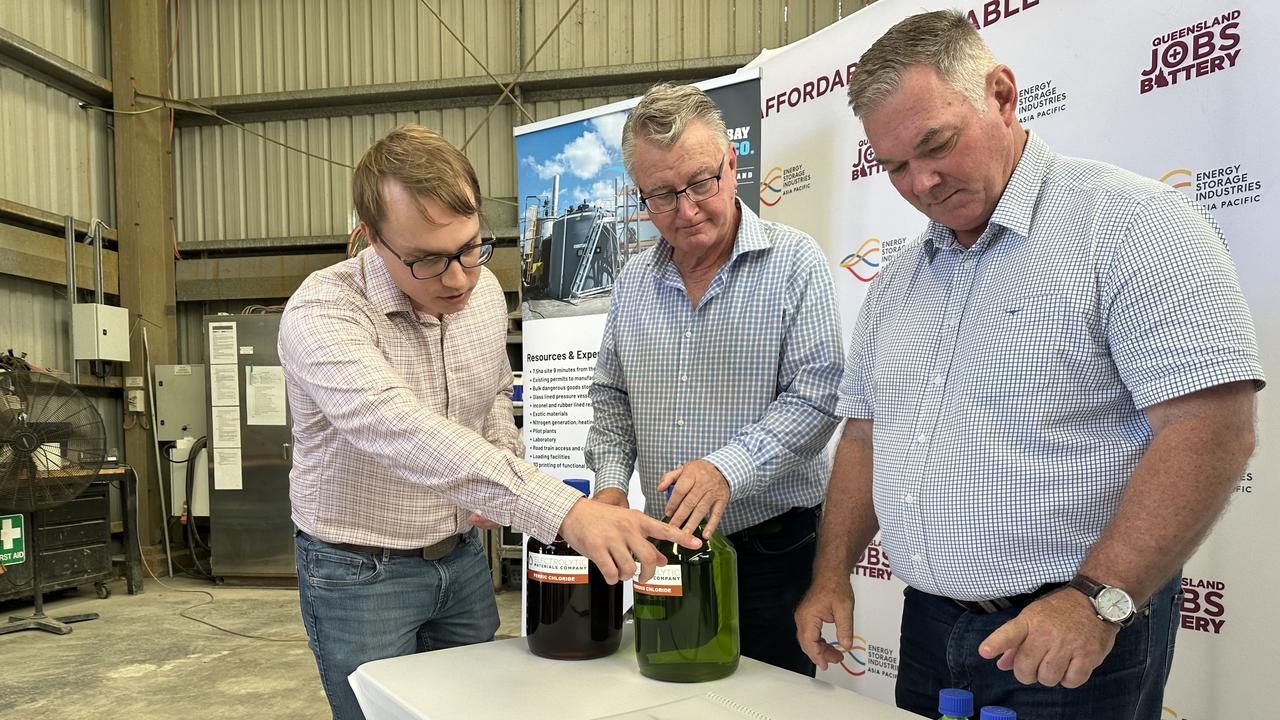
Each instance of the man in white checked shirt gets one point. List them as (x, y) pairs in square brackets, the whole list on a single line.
[(398, 377), (1047, 409), (718, 367)]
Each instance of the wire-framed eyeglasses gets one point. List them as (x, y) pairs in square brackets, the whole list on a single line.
[(431, 266), (697, 192)]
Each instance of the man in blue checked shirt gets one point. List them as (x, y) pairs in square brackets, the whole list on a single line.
[(719, 366), (1047, 409)]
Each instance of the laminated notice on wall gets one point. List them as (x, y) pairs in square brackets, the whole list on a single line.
[(226, 427), (226, 470), (222, 343), (264, 395), (223, 388)]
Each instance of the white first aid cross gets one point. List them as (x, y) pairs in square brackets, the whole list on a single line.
[(8, 534)]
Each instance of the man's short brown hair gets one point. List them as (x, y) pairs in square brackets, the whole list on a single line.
[(428, 167)]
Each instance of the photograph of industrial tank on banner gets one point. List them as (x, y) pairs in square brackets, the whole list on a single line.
[(581, 222), (1177, 91)]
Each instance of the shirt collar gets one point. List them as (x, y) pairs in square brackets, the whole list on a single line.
[(380, 288), (1017, 204), (751, 237)]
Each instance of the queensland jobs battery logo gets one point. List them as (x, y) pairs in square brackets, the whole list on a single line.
[(1193, 51), (874, 563), (1204, 605)]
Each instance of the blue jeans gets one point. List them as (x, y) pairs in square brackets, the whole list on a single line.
[(940, 649), (775, 567), (360, 607)]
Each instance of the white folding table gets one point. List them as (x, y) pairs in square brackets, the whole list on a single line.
[(502, 680)]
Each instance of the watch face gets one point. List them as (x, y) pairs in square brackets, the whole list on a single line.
[(1114, 604)]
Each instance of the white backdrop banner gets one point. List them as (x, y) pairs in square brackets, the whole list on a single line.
[(1180, 91)]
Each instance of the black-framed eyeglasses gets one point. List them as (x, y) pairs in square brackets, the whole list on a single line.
[(697, 192), (430, 266)]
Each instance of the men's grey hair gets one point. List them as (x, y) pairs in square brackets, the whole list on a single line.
[(662, 116), (944, 40)]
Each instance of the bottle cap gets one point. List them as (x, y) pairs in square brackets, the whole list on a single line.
[(995, 712), (582, 486), (955, 702), (670, 490)]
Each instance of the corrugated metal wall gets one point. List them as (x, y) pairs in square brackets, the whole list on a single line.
[(75, 30), (233, 186), (624, 32), (56, 157), (232, 48), (33, 319)]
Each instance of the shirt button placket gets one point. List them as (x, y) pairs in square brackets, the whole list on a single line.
[(685, 350)]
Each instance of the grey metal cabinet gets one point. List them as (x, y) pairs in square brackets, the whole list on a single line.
[(252, 533)]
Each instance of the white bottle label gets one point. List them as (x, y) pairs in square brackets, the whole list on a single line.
[(667, 581), (561, 569)]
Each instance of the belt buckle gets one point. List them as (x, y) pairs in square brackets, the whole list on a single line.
[(440, 549)]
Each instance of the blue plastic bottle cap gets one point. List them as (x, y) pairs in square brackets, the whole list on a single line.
[(582, 486), (955, 702), (995, 712), (670, 490)]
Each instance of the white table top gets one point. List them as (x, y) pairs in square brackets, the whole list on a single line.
[(504, 680)]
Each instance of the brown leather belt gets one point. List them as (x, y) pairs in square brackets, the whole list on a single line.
[(431, 552)]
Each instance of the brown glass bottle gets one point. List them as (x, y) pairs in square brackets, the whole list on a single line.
[(571, 613)]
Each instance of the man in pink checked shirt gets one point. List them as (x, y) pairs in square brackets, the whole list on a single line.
[(398, 376)]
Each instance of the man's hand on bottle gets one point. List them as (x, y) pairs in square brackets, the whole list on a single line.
[(701, 492), (616, 539)]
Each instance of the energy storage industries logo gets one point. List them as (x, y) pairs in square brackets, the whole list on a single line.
[(855, 657), (1224, 186), (1192, 51), (864, 263), (779, 182)]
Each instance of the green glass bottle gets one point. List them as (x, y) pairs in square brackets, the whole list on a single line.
[(686, 616)]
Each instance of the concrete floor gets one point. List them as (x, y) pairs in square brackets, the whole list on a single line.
[(142, 660)]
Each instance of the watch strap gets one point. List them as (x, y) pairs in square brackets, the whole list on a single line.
[(1087, 585)]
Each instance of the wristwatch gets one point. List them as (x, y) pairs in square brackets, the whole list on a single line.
[(1112, 604)]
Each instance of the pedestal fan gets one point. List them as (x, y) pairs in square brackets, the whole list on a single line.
[(51, 447)]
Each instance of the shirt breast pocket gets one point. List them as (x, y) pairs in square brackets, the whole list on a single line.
[(1020, 359)]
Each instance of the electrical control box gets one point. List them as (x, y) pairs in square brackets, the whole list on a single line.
[(181, 405), (99, 332)]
